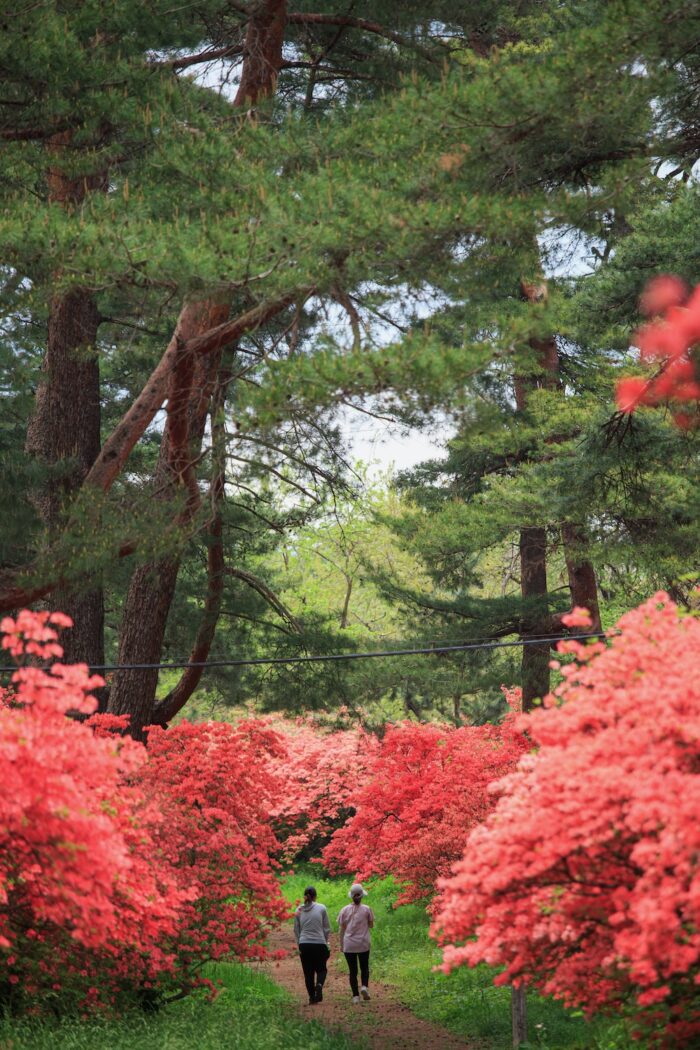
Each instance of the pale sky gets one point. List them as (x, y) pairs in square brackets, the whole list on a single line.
[(384, 446)]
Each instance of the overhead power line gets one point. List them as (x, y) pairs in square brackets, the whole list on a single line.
[(434, 650)]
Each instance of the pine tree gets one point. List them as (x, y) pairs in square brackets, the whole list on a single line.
[(503, 136)]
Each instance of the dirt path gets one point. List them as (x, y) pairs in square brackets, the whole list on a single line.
[(383, 1023)]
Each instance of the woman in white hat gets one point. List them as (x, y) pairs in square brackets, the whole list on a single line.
[(355, 921)]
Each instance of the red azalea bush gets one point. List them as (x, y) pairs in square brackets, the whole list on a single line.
[(76, 876), (319, 773), (214, 792), (667, 341), (426, 788), (121, 871), (585, 880)]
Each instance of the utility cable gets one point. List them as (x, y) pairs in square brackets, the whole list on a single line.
[(435, 650)]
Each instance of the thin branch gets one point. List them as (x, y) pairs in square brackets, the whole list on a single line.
[(311, 467), (211, 54), (368, 412), (33, 134), (304, 18), (333, 72), (343, 300), (256, 584), (256, 620), (277, 473)]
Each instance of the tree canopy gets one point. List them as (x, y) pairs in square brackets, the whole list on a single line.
[(222, 225)]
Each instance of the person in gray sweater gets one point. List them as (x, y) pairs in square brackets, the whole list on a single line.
[(312, 931)]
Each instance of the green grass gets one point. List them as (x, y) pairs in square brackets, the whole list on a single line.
[(466, 1001), (252, 1013)]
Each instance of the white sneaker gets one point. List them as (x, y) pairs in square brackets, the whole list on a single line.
[(364, 993), (356, 998)]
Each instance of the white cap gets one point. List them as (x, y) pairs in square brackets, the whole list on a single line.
[(356, 888)]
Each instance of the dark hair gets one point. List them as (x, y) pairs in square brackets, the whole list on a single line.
[(311, 890)]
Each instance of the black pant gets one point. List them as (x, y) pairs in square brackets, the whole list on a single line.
[(352, 959), (313, 962)]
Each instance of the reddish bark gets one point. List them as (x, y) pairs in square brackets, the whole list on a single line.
[(176, 699), (582, 578), (196, 355), (185, 340), (152, 585), (262, 51)]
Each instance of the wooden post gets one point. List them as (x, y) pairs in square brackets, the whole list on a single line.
[(518, 1013)]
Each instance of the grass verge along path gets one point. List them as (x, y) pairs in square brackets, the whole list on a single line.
[(251, 1013)]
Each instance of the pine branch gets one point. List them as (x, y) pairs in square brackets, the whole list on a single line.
[(256, 584), (304, 18)]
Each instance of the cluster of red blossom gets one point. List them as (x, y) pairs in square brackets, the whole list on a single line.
[(425, 788), (321, 772), (585, 879), (667, 343), (122, 871), (564, 843)]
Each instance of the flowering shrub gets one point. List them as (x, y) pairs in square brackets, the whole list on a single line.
[(121, 871), (666, 341), (426, 787), (76, 878), (214, 792), (318, 773), (585, 880)]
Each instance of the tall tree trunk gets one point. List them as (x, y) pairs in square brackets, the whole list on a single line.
[(533, 539), (262, 51), (582, 578), (168, 707), (534, 624), (152, 586), (64, 431)]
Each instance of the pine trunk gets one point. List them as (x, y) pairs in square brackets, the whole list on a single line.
[(582, 578), (64, 432), (262, 51), (533, 539), (141, 642), (534, 624), (153, 586)]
